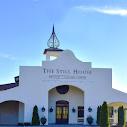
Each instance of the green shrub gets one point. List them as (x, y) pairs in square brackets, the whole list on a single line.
[(98, 115), (35, 116), (121, 117), (104, 115)]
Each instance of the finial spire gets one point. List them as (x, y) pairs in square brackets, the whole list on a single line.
[(53, 41), (53, 31)]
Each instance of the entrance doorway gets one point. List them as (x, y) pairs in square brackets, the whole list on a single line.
[(62, 112), (62, 100), (11, 112)]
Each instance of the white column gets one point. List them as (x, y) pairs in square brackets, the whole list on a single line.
[(87, 104), (44, 103), (85, 110), (28, 110), (21, 112)]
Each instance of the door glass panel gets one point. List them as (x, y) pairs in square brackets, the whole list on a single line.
[(65, 113), (59, 112), (80, 111)]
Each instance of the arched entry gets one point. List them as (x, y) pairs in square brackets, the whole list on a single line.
[(62, 112), (11, 112), (66, 105), (113, 111)]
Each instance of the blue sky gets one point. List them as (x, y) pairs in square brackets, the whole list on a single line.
[(95, 30)]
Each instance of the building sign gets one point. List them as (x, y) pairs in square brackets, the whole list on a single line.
[(53, 74)]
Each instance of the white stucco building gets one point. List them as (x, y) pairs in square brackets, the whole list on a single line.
[(65, 87)]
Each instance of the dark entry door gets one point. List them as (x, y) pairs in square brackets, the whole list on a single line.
[(62, 112)]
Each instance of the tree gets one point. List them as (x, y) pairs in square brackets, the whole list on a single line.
[(98, 114), (35, 116), (121, 117), (104, 115)]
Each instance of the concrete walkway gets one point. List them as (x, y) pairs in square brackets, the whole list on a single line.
[(54, 126)]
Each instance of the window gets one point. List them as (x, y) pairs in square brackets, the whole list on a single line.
[(80, 111), (80, 114)]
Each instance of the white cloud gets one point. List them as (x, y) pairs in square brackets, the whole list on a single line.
[(105, 10), (7, 56)]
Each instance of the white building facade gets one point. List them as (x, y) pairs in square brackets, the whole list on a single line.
[(66, 90)]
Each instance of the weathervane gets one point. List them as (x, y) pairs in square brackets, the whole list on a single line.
[(53, 41)]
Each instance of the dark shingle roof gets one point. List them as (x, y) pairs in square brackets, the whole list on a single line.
[(8, 86)]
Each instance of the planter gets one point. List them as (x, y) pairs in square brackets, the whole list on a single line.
[(89, 120), (43, 120)]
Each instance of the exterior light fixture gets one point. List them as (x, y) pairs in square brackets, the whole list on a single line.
[(51, 109), (17, 79), (89, 109), (73, 109), (43, 109)]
